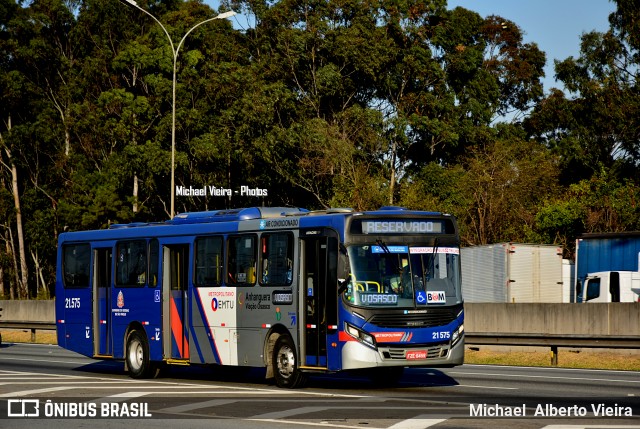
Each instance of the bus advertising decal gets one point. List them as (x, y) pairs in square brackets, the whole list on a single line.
[(217, 321), (392, 337), (436, 297), (221, 304), (222, 299), (257, 301), (436, 249)]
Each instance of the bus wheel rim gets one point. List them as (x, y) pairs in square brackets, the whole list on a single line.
[(136, 355), (286, 362)]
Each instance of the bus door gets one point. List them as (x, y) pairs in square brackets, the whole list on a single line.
[(318, 294), (102, 339), (175, 323)]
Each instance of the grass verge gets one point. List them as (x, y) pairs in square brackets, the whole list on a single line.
[(567, 358), (21, 336)]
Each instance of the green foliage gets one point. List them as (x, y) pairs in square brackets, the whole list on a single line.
[(599, 204)]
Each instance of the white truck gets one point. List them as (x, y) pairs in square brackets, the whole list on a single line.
[(611, 286), (512, 272)]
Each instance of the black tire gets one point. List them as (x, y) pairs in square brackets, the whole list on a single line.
[(285, 364), (137, 356)]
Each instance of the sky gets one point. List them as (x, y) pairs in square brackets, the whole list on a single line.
[(555, 25)]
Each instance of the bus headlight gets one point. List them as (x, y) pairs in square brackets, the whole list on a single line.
[(360, 335), (457, 334)]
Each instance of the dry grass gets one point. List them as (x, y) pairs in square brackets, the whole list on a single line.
[(566, 359), (22, 336)]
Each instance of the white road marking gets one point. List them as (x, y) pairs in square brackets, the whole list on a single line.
[(48, 360), (34, 392), (196, 406), (552, 377), (417, 422)]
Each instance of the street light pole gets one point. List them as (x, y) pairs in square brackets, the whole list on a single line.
[(173, 106)]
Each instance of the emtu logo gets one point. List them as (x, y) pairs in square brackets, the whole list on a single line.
[(223, 304)]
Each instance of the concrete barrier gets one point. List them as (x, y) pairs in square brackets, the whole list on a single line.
[(597, 319), (31, 311)]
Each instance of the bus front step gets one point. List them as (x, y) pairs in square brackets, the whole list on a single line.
[(184, 362), (314, 368)]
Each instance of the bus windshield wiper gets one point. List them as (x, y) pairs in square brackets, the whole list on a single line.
[(432, 261), (384, 247)]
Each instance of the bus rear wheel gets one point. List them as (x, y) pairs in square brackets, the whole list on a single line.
[(285, 364), (137, 356)]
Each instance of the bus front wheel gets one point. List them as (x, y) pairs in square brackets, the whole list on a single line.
[(137, 356), (285, 363)]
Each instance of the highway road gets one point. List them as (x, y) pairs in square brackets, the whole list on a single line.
[(99, 395)]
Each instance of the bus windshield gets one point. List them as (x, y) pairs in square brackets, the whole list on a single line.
[(403, 276)]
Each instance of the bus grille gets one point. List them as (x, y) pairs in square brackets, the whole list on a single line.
[(432, 352), (434, 317)]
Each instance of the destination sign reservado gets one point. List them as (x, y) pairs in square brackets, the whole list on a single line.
[(401, 227)]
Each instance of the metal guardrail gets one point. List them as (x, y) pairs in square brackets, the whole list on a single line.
[(553, 341)]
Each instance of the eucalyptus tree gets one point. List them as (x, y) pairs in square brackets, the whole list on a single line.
[(455, 75), (37, 56), (315, 64)]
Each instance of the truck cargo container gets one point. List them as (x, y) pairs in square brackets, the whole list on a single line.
[(568, 281), (512, 272), (607, 267)]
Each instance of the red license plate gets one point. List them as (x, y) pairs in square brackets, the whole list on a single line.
[(416, 354)]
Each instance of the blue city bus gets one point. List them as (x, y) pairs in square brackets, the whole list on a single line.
[(287, 289)]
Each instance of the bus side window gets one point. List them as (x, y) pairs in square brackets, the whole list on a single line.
[(131, 265), (241, 264), (208, 270), (276, 254), (153, 262)]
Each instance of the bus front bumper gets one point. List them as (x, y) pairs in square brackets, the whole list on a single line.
[(357, 355)]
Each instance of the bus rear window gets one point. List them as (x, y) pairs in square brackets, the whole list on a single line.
[(76, 265)]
